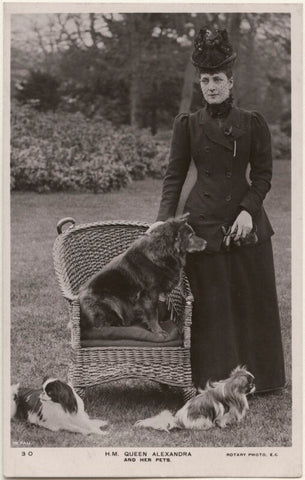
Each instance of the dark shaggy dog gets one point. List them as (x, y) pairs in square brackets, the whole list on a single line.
[(126, 291)]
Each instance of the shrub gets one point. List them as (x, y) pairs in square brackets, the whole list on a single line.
[(66, 151), (40, 89), (281, 143)]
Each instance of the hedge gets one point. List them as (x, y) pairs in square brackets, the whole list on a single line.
[(55, 151)]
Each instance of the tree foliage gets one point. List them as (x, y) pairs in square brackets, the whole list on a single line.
[(134, 68), (40, 89)]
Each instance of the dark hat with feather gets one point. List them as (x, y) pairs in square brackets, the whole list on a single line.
[(212, 50)]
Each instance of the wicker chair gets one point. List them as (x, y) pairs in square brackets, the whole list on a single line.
[(79, 252)]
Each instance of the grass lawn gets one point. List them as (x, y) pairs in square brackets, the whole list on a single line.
[(40, 338)]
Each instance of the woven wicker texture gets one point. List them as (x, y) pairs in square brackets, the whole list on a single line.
[(81, 251)]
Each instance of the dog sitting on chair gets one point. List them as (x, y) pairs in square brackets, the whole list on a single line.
[(220, 404), (127, 290), (55, 406)]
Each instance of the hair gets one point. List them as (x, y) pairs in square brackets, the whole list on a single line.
[(62, 393), (227, 71)]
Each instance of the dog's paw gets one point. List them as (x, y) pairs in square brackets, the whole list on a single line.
[(103, 423), (99, 423), (162, 334), (220, 423)]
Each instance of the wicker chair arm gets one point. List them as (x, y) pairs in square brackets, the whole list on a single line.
[(74, 313), (188, 310), (186, 289), (60, 271), (180, 303), (187, 324), (70, 297)]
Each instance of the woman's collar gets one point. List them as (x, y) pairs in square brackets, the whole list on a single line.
[(220, 110), (232, 119), (231, 129)]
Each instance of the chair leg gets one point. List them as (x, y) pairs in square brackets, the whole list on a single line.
[(188, 393)]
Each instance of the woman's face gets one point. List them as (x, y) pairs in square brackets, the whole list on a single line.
[(215, 87)]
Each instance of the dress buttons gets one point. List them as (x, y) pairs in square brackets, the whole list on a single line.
[(207, 172), (207, 149), (228, 174), (228, 198)]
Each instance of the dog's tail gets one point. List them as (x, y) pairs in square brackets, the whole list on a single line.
[(163, 421), (14, 396)]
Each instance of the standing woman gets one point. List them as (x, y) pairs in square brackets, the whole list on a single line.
[(235, 315)]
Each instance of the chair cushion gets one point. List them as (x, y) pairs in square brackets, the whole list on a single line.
[(136, 337)]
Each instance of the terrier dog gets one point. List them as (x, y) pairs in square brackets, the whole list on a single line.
[(220, 404)]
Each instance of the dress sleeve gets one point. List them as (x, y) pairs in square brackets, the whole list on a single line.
[(179, 161), (261, 165)]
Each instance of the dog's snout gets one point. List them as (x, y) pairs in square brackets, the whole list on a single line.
[(251, 384), (43, 397), (204, 242), (252, 388), (196, 244)]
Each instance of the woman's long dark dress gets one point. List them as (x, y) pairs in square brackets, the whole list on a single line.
[(235, 317)]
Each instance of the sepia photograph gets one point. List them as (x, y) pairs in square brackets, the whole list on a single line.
[(151, 246)]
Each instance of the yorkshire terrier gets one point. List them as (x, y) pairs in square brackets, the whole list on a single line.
[(220, 404), (55, 406)]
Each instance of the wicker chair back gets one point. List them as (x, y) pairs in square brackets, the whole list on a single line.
[(80, 252)]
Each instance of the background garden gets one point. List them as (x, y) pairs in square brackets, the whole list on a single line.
[(94, 96), (93, 99)]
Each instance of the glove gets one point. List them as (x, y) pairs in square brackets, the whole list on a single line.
[(229, 238)]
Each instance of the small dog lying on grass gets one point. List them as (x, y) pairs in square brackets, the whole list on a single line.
[(126, 291), (220, 404), (55, 406)]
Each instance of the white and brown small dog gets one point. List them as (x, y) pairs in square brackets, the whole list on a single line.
[(220, 404), (55, 406)]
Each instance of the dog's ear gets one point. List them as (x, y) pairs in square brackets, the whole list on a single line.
[(239, 368), (153, 226), (66, 397), (183, 218)]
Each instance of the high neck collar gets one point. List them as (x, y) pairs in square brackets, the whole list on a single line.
[(220, 110)]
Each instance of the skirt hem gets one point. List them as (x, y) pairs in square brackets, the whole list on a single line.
[(272, 389)]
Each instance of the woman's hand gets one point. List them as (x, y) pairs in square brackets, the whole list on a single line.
[(242, 226)]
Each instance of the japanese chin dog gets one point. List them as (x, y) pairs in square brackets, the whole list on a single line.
[(55, 406), (220, 404)]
